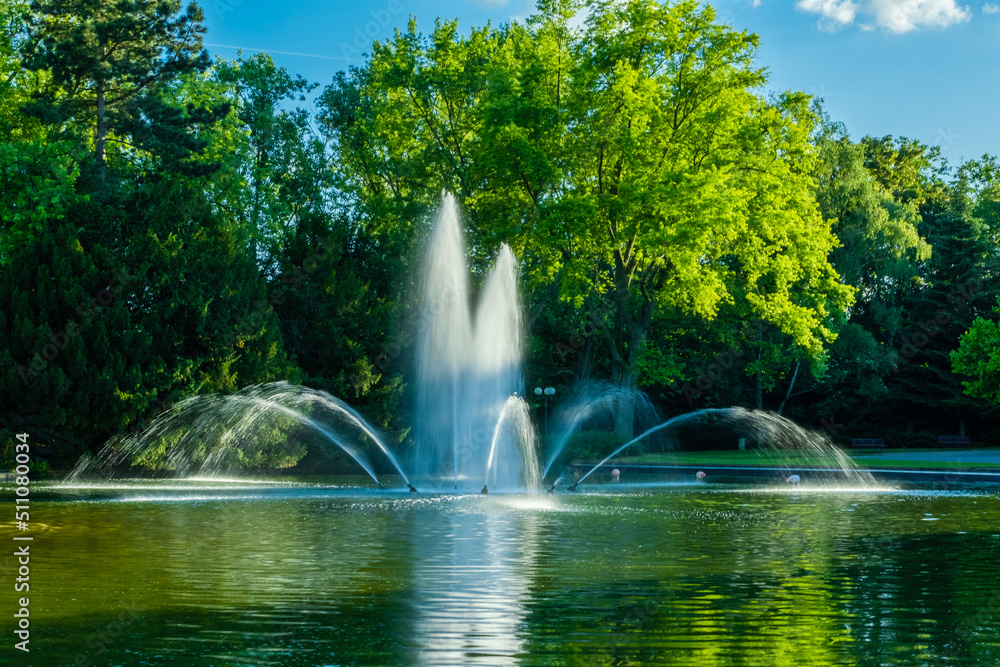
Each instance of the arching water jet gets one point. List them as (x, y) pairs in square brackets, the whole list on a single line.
[(775, 432)]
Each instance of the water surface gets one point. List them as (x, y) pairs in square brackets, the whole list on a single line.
[(333, 573)]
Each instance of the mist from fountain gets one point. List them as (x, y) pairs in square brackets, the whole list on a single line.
[(590, 400), (514, 431)]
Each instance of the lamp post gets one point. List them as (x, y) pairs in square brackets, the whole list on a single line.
[(544, 394)]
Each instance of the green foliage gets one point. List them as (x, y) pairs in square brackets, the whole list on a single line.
[(275, 172), (99, 336), (880, 254), (978, 356), (106, 64), (630, 164), (172, 227), (962, 285), (592, 446)]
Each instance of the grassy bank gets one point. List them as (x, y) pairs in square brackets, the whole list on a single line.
[(898, 459)]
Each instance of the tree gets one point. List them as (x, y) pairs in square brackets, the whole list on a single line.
[(274, 149), (630, 165), (978, 356), (97, 340), (962, 282), (106, 59), (121, 300), (880, 254), (978, 352)]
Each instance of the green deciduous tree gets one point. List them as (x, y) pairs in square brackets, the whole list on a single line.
[(631, 164), (274, 152), (978, 356), (978, 353), (861, 188)]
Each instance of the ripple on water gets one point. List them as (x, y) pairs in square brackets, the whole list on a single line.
[(321, 574)]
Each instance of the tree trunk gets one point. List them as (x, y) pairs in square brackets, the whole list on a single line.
[(585, 360), (759, 389), (760, 371), (791, 385), (631, 328), (625, 412), (101, 134)]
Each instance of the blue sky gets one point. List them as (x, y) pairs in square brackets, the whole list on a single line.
[(926, 69)]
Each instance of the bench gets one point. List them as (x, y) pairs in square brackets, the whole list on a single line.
[(868, 442), (953, 440)]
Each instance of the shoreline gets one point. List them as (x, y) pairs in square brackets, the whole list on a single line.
[(717, 471)]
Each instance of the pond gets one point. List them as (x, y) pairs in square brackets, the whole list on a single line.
[(327, 572)]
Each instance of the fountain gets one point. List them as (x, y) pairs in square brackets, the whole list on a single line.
[(211, 435), (218, 568), (471, 428), (775, 435), (468, 367), (593, 399)]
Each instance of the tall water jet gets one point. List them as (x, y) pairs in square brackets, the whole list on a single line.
[(466, 368), (444, 349)]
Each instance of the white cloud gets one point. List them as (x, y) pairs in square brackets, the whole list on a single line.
[(991, 9), (901, 16), (834, 14), (896, 16)]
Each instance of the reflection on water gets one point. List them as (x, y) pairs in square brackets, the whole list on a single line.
[(470, 589), (216, 573)]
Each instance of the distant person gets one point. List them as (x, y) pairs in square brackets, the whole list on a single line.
[(615, 474), (793, 479), (699, 476)]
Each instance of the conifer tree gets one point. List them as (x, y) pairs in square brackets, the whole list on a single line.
[(107, 58)]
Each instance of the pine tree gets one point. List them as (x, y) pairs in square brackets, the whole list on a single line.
[(107, 58)]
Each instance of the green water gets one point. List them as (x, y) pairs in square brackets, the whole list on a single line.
[(318, 574)]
